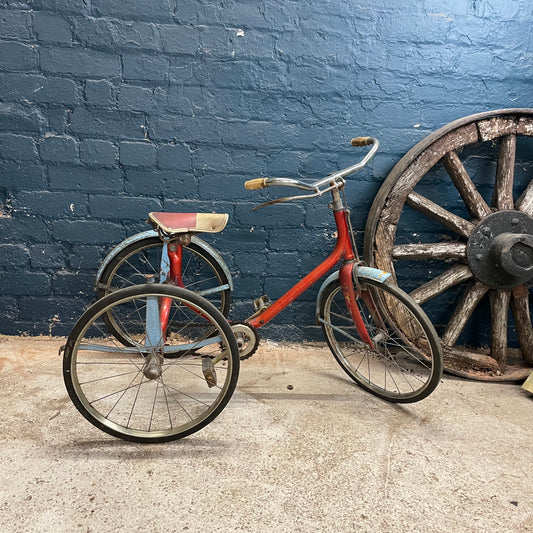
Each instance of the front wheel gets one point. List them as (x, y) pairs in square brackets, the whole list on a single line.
[(404, 363), (166, 383)]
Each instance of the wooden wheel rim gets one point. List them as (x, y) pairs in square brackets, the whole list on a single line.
[(397, 190)]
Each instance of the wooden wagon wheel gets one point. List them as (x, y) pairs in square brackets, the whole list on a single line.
[(462, 242)]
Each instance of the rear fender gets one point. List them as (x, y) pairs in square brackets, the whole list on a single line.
[(150, 234)]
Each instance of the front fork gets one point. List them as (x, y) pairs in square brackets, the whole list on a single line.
[(157, 317), (153, 363), (346, 277)]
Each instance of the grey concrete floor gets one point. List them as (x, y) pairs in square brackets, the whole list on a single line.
[(324, 456)]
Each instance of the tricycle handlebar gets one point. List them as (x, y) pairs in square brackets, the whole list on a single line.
[(334, 180)]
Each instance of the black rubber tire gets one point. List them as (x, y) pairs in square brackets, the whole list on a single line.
[(91, 325), (429, 362)]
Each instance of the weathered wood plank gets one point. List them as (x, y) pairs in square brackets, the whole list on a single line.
[(458, 357), (434, 250), (462, 313), (434, 211), (495, 127), (503, 187), (522, 320), (525, 126), (383, 244), (404, 320), (476, 205), (453, 276), (499, 306)]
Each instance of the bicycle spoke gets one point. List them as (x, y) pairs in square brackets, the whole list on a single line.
[(132, 405), (112, 376)]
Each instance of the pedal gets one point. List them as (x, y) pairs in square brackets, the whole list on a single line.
[(209, 372), (263, 302)]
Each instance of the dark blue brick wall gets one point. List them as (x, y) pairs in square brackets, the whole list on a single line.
[(111, 108)]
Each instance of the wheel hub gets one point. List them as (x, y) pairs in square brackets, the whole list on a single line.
[(153, 365), (500, 250)]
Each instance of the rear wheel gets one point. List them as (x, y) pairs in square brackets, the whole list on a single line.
[(201, 273), (159, 387), (405, 362)]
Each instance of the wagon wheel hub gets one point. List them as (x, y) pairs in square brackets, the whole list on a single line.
[(500, 250)]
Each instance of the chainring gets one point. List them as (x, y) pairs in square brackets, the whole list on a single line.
[(247, 339)]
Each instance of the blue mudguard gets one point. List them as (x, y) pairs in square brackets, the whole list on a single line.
[(362, 272), (152, 233)]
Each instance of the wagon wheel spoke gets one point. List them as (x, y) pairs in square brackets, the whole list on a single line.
[(476, 205), (434, 250), (453, 276), (521, 314), (457, 224), (503, 188), (492, 248), (462, 313), (499, 304), (525, 202)]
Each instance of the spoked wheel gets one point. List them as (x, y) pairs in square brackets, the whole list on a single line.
[(201, 273), (404, 364), (453, 222), (159, 387)]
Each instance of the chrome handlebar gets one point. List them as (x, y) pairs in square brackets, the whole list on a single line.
[(358, 166), (334, 180)]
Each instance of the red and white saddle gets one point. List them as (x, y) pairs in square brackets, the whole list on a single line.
[(172, 223)]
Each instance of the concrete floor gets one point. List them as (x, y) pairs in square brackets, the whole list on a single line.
[(324, 456)]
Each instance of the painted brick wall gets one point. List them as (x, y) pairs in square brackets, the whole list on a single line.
[(112, 108)]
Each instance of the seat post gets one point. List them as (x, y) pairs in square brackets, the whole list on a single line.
[(175, 256)]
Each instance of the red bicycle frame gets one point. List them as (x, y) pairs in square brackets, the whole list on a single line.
[(343, 250), (175, 257)]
